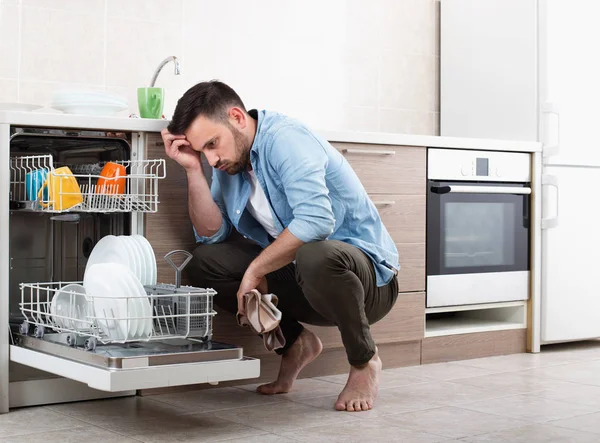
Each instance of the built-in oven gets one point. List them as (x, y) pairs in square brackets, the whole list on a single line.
[(478, 227)]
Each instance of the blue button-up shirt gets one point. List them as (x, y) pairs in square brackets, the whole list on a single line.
[(311, 189)]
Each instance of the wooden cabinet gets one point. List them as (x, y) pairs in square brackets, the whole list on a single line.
[(405, 322), (395, 179), (395, 183), (170, 228), (384, 169)]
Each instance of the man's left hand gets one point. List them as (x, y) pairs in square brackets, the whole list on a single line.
[(249, 282)]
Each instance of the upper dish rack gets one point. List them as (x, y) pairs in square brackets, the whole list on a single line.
[(83, 188)]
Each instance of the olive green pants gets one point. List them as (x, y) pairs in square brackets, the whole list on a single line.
[(332, 283)]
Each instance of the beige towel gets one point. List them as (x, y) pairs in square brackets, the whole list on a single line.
[(263, 317)]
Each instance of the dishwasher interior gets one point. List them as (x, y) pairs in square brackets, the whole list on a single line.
[(49, 247), (52, 247)]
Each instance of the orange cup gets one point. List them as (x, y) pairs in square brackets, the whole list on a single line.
[(112, 179)]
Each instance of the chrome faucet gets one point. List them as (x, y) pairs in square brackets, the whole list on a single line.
[(162, 64)]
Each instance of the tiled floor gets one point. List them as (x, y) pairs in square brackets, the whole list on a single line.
[(549, 397)]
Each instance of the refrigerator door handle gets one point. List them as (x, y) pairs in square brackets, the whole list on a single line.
[(551, 108), (551, 180)]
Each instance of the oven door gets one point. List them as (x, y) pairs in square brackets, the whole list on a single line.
[(477, 242)]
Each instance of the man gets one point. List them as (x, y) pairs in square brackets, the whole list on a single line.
[(317, 240)]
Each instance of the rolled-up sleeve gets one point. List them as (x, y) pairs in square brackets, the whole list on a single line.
[(301, 162), (225, 229)]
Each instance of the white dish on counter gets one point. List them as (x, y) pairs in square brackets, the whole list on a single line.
[(95, 109), (21, 107)]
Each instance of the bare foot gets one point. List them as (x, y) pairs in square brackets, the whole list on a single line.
[(304, 350), (361, 388)]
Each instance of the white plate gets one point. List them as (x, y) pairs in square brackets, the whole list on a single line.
[(112, 299), (70, 302), (138, 251), (135, 307), (22, 107), (141, 307), (90, 109), (149, 258), (110, 249), (135, 259), (145, 271), (90, 96)]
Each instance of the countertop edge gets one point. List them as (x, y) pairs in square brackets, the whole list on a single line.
[(431, 141), (55, 120)]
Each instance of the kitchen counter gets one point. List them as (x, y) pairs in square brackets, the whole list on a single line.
[(55, 120)]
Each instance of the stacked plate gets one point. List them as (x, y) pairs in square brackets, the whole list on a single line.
[(121, 306), (133, 252), (97, 103), (114, 279)]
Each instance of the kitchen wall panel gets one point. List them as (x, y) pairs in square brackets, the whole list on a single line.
[(336, 65)]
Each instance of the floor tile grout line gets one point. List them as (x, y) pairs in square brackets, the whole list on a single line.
[(553, 422), (341, 415), (192, 412), (49, 408), (545, 365), (182, 415), (47, 431), (254, 436), (392, 425), (552, 425), (548, 378), (521, 418)]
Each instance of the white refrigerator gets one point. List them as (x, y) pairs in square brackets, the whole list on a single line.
[(530, 70)]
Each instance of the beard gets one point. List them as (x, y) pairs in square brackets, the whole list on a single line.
[(242, 150)]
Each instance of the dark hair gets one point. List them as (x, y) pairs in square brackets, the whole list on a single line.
[(210, 99)]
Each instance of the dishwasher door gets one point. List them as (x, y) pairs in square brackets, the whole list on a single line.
[(133, 366)]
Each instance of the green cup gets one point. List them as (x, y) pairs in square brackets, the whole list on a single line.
[(151, 102)]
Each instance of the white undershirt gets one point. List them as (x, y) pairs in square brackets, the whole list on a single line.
[(259, 208)]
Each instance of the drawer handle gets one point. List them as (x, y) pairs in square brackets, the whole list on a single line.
[(384, 202), (368, 151)]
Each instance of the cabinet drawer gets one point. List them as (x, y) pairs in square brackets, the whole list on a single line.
[(411, 277), (386, 169), (405, 322), (403, 216)]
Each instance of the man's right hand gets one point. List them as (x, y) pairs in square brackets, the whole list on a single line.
[(179, 149)]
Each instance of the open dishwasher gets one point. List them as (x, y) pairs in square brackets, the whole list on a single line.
[(53, 231)]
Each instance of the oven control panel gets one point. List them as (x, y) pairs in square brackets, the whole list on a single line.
[(457, 164)]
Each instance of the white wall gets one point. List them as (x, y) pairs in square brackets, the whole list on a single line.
[(365, 65)]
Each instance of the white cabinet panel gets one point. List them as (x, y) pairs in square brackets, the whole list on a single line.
[(488, 69), (571, 256), (569, 80)]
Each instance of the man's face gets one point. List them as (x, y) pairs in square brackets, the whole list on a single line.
[(224, 145)]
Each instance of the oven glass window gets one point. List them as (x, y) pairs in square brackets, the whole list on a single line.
[(478, 234), (472, 232)]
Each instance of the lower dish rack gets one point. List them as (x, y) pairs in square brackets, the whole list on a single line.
[(170, 345), (184, 312)]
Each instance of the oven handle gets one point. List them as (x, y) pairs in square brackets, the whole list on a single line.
[(464, 189)]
